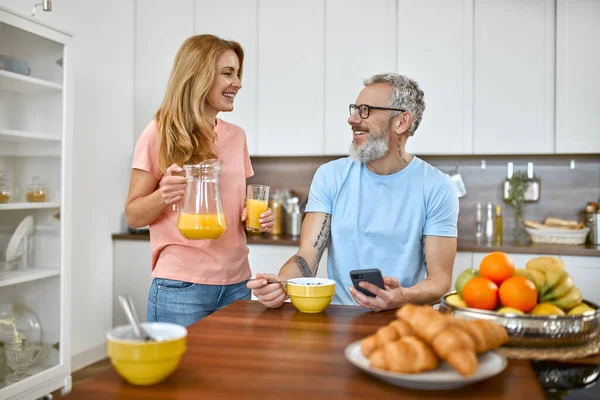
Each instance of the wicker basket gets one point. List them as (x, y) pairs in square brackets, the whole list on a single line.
[(550, 236)]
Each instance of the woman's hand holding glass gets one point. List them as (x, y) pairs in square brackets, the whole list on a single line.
[(257, 214), (267, 219)]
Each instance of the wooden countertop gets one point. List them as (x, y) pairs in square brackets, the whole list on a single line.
[(247, 351), (468, 245)]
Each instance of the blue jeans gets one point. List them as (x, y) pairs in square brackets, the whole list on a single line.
[(184, 303)]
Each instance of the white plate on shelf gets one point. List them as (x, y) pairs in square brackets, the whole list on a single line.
[(24, 229), (442, 378)]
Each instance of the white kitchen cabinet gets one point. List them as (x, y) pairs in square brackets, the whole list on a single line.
[(520, 260), (161, 27), (36, 112), (434, 47), (133, 273), (577, 77), (514, 77), (586, 275), (236, 20), (132, 263), (346, 65), (269, 259), (290, 77), (463, 260)]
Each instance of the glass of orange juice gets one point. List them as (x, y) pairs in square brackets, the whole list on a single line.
[(257, 202)]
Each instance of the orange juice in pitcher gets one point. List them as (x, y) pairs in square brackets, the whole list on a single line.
[(202, 216), (201, 226)]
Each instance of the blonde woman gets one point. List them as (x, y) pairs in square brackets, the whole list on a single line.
[(193, 278)]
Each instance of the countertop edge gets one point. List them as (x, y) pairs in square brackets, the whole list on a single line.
[(464, 245)]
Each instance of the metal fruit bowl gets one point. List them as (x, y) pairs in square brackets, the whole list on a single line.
[(536, 331)]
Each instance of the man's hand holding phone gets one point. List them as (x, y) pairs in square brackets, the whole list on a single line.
[(378, 293)]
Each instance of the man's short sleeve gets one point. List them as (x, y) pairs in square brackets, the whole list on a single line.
[(320, 197), (442, 211)]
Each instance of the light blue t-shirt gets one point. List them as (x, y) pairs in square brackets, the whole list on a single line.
[(379, 221)]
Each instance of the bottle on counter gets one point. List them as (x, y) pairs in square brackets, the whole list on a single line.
[(478, 222), (489, 224), (498, 227), (276, 206)]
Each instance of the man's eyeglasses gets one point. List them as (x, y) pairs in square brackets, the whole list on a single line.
[(364, 110)]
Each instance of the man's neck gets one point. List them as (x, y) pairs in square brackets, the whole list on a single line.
[(395, 161)]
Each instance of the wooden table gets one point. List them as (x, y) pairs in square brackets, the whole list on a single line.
[(245, 351)]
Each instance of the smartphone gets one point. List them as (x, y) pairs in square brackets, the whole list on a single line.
[(372, 276)]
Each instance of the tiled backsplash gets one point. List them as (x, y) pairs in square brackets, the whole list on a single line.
[(564, 191)]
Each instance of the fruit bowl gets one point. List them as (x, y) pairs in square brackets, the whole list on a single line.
[(535, 330)]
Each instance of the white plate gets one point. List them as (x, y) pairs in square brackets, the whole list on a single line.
[(442, 378), (25, 228)]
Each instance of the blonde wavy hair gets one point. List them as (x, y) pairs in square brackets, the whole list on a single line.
[(185, 134)]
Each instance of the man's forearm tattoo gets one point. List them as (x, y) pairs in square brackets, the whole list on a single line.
[(323, 235), (302, 266)]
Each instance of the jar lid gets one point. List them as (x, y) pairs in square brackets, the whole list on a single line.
[(36, 183)]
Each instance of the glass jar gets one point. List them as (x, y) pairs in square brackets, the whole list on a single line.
[(276, 206), (5, 189), (36, 192), (18, 323)]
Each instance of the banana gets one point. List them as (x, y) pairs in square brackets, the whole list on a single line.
[(537, 277), (552, 267), (563, 287), (542, 263), (568, 301), (553, 277)]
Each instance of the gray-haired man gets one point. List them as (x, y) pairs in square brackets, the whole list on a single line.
[(381, 208)]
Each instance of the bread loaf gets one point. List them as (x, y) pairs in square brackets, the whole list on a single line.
[(555, 224), (561, 223)]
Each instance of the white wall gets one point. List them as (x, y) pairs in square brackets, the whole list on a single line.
[(103, 52)]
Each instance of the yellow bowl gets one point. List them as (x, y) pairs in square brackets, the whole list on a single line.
[(146, 363), (310, 295)]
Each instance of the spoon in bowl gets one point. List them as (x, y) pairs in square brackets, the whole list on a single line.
[(129, 309)]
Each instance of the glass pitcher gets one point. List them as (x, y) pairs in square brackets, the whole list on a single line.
[(202, 214)]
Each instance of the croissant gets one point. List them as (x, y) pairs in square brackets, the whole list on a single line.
[(485, 334), (405, 355), (393, 331), (450, 342)]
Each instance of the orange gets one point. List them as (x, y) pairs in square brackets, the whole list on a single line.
[(497, 267), (481, 293), (518, 292)]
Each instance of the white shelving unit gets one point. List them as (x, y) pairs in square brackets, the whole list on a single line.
[(8, 278), (36, 140), (12, 82), (29, 206), (11, 135)]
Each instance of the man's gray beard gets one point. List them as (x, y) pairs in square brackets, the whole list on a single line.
[(376, 147)]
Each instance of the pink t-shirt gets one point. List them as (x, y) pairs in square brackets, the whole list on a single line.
[(222, 261)]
